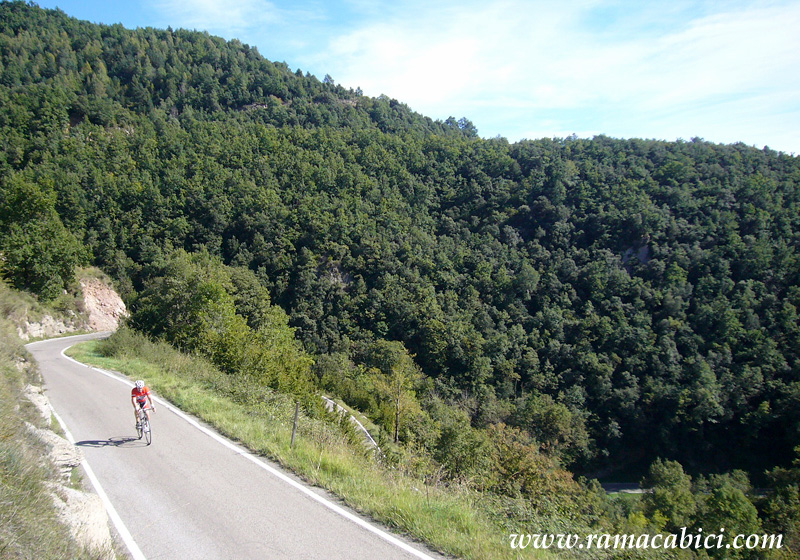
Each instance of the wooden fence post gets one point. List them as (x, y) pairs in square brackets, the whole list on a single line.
[(294, 426)]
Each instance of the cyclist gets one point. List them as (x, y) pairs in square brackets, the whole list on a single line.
[(140, 395)]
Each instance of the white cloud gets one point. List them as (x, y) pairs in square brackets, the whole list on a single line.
[(230, 19), (724, 54), (477, 51), (541, 57)]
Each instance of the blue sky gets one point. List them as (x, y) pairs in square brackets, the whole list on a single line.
[(725, 71)]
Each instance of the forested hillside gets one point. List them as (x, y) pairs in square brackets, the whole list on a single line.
[(614, 301)]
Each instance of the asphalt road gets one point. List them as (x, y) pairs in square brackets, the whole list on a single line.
[(192, 494)]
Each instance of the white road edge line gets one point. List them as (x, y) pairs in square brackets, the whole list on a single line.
[(247, 455), (124, 534)]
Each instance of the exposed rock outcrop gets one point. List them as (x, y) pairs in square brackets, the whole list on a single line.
[(85, 515), (103, 305), (46, 328), (62, 453), (35, 395), (103, 311)]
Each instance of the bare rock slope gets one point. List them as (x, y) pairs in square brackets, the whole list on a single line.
[(103, 305), (103, 311)]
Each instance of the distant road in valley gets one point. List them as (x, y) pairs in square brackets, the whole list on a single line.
[(192, 494)]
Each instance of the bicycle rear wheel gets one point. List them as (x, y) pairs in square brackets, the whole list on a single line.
[(148, 434)]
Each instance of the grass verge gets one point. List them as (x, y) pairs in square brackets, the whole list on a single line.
[(449, 519), (29, 524)]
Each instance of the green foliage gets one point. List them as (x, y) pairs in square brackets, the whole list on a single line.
[(722, 507), (41, 257), (276, 358), (727, 507), (458, 447), (189, 302), (518, 468), (395, 379), (559, 430), (781, 506), (671, 498), (39, 254)]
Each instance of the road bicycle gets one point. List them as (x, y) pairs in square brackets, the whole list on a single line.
[(143, 427)]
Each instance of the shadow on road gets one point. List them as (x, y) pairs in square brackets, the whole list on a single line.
[(119, 441)]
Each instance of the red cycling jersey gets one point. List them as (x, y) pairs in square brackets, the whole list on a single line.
[(142, 395)]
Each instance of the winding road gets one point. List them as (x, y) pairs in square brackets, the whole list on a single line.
[(192, 493)]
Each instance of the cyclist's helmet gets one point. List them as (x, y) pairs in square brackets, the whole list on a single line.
[(140, 384)]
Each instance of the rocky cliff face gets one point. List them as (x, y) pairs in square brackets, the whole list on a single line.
[(103, 311), (103, 305), (48, 327)]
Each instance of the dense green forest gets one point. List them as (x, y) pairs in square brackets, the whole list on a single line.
[(605, 302)]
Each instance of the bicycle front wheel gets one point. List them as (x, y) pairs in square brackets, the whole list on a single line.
[(148, 434)]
